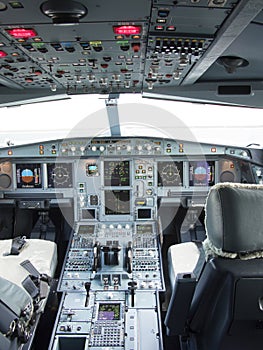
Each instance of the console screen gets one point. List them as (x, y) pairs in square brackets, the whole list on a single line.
[(109, 312), (170, 174), (201, 173), (117, 202), (142, 229), (59, 175), (29, 175), (117, 173)]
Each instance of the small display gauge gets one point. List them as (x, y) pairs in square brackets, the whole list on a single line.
[(59, 175), (109, 312), (28, 175), (201, 173), (117, 173), (170, 174), (117, 202)]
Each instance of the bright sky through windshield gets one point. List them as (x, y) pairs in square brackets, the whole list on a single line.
[(138, 116)]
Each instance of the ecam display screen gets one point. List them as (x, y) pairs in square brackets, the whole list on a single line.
[(117, 202), (109, 312), (117, 173), (201, 173), (29, 175)]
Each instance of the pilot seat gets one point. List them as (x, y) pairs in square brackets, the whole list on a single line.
[(27, 267), (217, 286)]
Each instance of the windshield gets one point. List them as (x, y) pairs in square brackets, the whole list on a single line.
[(87, 116)]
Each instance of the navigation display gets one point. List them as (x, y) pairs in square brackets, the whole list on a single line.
[(109, 312), (117, 202), (29, 175), (117, 173), (201, 173), (170, 174), (59, 175)]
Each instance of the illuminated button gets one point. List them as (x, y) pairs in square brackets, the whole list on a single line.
[(168, 150), (53, 151), (127, 30), (163, 13), (41, 152), (161, 20), (73, 149), (3, 54), (16, 4), (10, 152), (102, 148), (213, 149), (94, 148), (22, 33)]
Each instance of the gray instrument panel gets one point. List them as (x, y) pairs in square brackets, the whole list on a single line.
[(112, 273)]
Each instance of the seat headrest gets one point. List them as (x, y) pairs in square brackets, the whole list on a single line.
[(234, 217)]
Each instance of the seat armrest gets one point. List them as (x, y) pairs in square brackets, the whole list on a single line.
[(180, 302)]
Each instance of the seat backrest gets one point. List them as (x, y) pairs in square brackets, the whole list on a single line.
[(226, 311), (227, 307)]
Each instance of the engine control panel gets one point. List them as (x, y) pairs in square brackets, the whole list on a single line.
[(111, 256)]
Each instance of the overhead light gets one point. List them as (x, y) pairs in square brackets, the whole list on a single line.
[(231, 63), (22, 33), (66, 12), (127, 30)]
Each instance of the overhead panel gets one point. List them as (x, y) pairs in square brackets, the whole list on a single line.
[(180, 33), (90, 57)]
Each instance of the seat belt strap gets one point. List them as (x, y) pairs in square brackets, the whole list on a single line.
[(201, 260), (27, 265), (18, 244)]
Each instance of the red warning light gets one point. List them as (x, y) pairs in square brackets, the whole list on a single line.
[(3, 53), (127, 30), (22, 33)]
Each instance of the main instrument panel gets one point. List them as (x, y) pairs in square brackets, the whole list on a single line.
[(112, 273)]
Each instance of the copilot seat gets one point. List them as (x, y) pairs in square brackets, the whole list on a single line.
[(217, 286)]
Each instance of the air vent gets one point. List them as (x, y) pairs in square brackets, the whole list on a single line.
[(234, 90)]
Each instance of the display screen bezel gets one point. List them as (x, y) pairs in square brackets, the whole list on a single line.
[(111, 207), (205, 164), (34, 167)]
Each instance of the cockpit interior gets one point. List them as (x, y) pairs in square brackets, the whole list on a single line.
[(139, 241)]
